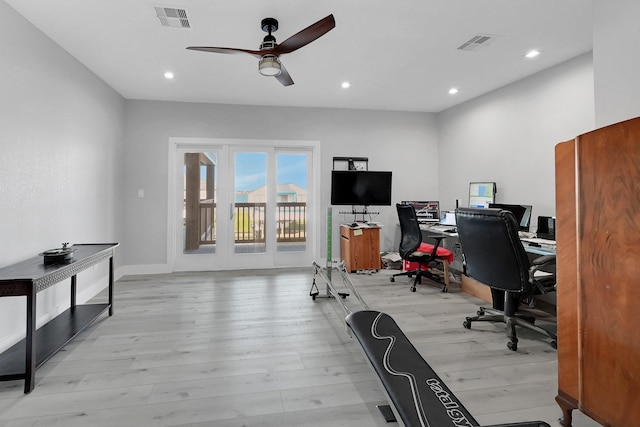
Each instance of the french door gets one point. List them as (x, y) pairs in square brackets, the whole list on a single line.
[(240, 206)]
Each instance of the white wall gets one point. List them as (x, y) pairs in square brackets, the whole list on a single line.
[(61, 144), (616, 36), (508, 136), (404, 143)]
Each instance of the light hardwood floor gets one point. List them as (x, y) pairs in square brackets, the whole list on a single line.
[(253, 349)]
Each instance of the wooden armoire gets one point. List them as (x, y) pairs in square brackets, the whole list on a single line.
[(598, 272)]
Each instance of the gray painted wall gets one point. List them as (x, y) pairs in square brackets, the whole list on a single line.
[(61, 145), (405, 143), (508, 136), (616, 35)]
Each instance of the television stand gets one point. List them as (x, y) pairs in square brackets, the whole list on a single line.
[(355, 214), (360, 247)]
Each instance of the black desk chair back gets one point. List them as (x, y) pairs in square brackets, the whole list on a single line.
[(495, 256), (410, 241)]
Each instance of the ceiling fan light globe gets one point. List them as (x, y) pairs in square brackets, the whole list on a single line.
[(269, 66)]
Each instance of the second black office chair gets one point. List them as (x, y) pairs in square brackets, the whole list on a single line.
[(410, 241), (495, 256)]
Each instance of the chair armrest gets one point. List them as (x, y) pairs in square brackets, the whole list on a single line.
[(543, 260), (438, 240), (545, 283)]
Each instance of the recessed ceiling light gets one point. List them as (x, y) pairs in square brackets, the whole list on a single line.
[(453, 91), (168, 75), (532, 53), (345, 85)]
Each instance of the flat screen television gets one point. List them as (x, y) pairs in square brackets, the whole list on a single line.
[(365, 188), (521, 212)]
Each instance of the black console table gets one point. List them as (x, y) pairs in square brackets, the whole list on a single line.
[(31, 276)]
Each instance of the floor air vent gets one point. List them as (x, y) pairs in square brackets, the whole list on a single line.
[(170, 17)]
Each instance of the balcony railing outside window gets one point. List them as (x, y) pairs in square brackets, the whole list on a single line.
[(250, 224)]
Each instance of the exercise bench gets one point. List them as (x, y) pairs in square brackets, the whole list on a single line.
[(416, 394)]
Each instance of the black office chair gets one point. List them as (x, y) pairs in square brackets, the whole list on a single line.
[(495, 256), (412, 248)]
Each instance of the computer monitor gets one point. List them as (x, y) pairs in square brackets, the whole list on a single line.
[(521, 212), (448, 218), (481, 194), (428, 211), (546, 227)]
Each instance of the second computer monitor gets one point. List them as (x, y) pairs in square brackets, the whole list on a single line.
[(521, 212), (427, 211)]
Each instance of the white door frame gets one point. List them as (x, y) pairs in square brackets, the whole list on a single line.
[(314, 215)]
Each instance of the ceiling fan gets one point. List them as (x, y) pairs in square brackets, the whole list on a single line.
[(270, 51)]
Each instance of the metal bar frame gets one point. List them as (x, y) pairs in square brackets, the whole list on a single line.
[(332, 291)]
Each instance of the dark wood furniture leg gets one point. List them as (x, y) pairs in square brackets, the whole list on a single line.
[(567, 408), (111, 286), (73, 294), (30, 342)]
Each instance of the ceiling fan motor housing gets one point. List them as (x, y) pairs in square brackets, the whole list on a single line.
[(268, 44)]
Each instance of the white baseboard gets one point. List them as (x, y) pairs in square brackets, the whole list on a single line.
[(128, 270)]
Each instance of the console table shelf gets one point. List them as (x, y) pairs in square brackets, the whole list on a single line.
[(31, 276), (50, 338)]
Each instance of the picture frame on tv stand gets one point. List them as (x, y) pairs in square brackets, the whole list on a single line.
[(351, 163)]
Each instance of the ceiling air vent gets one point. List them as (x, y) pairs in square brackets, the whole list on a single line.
[(477, 42), (171, 17)]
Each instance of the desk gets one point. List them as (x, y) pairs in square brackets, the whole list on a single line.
[(31, 276), (360, 247), (535, 247)]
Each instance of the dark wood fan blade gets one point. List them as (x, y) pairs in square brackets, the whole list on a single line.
[(284, 76), (305, 36), (228, 50)]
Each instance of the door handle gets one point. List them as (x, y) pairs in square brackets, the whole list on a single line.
[(231, 211)]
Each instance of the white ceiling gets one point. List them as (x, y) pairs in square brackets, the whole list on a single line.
[(398, 55)]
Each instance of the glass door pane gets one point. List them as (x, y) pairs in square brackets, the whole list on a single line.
[(199, 210), (291, 206), (241, 206), (250, 202)]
